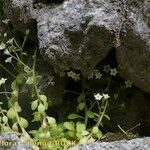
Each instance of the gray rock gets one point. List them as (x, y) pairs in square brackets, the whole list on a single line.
[(10, 141), (134, 144), (134, 53), (78, 34)]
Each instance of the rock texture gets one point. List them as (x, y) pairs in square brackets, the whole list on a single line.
[(9, 141), (77, 34), (138, 144), (134, 53)]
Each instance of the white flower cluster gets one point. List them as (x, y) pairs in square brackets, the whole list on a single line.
[(100, 96)]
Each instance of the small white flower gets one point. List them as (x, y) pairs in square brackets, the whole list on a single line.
[(98, 75), (2, 81), (106, 68), (2, 46), (106, 96), (8, 60), (5, 34), (113, 72), (98, 96), (6, 52), (128, 84)]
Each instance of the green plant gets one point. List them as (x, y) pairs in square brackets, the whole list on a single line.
[(77, 129)]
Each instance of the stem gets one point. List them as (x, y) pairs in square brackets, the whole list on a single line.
[(7, 71), (15, 68), (34, 76), (7, 97), (5, 92), (102, 115)]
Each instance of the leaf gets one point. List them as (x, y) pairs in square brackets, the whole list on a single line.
[(34, 104), (99, 134), (90, 114), (41, 108), (19, 78), (107, 117), (80, 127), (43, 98), (15, 127), (23, 122), (81, 97), (81, 106), (84, 133), (69, 126), (37, 116), (83, 140), (95, 130), (11, 114), (14, 85), (51, 120), (5, 119), (74, 116), (30, 80)]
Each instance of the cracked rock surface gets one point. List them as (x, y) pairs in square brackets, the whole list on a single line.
[(78, 34), (134, 144)]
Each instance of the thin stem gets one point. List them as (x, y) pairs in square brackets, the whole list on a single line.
[(15, 68), (7, 71), (7, 97), (102, 115), (5, 92)]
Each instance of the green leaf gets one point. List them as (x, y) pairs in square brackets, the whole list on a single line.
[(81, 106), (30, 80), (84, 133), (37, 116), (78, 135), (83, 140), (107, 117), (15, 127), (19, 78), (43, 98), (99, 134), (34, 104), (69, 126), (95, 130), (72, 134), (74, 116), (51, 120), (5, 119), (80, 127), (90, 114), (23, 122), (41, 108), (11, 114), (81, 97), (14, 85)]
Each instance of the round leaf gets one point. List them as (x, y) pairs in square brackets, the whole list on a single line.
[(80, 127), (69, 126)]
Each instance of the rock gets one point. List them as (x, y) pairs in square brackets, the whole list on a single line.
[(77, 34), (138, 144), (21, 15), (134, 53), (10, 141)]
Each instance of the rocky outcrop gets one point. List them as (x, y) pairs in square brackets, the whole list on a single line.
[(77, 34), (133, 54), (138, 144)]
